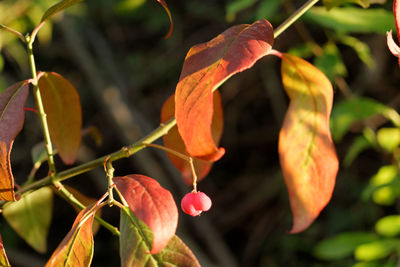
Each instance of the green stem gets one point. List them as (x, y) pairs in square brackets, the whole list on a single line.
[(110, 175), (39, 103), (74, 201), (294, 17)]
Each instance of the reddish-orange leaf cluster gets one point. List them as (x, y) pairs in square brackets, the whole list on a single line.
[(3, 257), (307, 154), (152, 204), (174, 141), (393, 47), (205, 68)]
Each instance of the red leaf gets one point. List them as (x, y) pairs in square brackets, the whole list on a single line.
[(206, 67), (307, 154), (171, 27), (3, 257), (64, 114), (12, 116), (174, 141), (76, 249), (152, 204)]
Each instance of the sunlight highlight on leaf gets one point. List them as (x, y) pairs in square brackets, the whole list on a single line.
[(12, 116), (174, 141), (152, 204), (206, 67), (64, 115), (307, 154)]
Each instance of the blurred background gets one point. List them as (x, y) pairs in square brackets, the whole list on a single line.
[(114, 53)]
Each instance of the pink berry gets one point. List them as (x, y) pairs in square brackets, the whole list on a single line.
[(202, 201), (195, 203)]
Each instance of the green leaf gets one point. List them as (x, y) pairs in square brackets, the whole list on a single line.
[(362, 49), (384, 186), (342, 245), (389, 138), (64, 115), (330, 62), (357, 109), (76, 249), (363, 3), (30, 217), (352, 20), (235, 6), (388, 226), (359, 145), (58, 7), (376, 250), (136, 242)]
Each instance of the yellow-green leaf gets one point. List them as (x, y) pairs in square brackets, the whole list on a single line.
[(31, 216), (307, 154)]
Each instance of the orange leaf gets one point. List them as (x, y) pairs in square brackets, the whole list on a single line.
[(3, 257), (152, 204), (307, 154), (206, 67), (171, 27), (12, 116), (76, 249), (174, 141), (64, 114)]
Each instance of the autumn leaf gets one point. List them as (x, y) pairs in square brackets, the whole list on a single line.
[(3, 257), (206, 67), (152, 204), (64, 115), (307, 154), (12, 116), (174, 141), (30, 217), (76, 249), (171, 27), (393, 47), (136, 240)]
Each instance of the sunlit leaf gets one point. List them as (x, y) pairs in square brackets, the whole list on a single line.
[(307, 154), (152, 204), (388, 138), (376, 250), (388, 226), (76, 249), (342, 245), (31, 216), (352, 19), (136, 240), (3, 257), (59, 7), (64, 115), (12, 116), (357, 109), (206, 67), (174, 141)]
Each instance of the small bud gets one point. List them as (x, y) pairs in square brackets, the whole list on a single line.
[(195, 203)]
